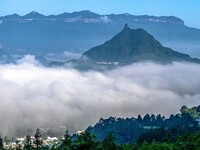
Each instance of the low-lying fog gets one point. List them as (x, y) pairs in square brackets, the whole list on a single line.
[(33, 96)]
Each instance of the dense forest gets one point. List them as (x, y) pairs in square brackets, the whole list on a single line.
[(128, 130), (87, 141), (177, 132)]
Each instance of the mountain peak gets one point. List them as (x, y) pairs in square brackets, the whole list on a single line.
[(133, 45), (86, 14), (34, 12), (80, 14), (34, 15), (85, 11)]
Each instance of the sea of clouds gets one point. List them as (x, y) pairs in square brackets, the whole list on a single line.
[(33, 96)]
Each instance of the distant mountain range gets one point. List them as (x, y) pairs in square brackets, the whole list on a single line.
[(77, 32)]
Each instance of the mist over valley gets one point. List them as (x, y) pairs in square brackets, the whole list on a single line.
[(97, 81)]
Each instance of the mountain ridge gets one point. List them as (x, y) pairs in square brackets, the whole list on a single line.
[(89, 14), (33, 15), (76, 32)]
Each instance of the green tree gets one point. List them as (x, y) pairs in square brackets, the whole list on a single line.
[(159, 120), (1, 144), (109, 143), (147, 120), (183, 109), (168, 137), (28, 143), (38, 139), (6, 140), (139, 119), (86, 141), (18, 145), (153, 119), (66, 142)]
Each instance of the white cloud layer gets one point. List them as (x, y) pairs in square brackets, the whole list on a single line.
[(33, 96)]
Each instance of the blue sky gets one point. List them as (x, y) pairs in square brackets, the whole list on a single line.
[(187, 10)]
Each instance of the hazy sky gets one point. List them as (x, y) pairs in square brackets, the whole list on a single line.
[(188, 10)]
